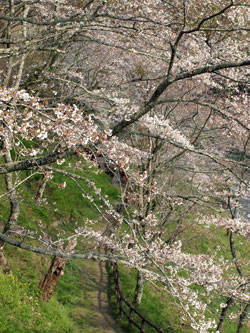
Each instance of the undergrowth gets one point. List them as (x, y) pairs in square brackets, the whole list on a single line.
[(69, 310), (61, 210)]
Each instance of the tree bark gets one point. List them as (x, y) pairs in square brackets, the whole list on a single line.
[(14, 210), (41, 189), (242, 318), (229, 302), (139, 289), (3, 261), (50, 281)]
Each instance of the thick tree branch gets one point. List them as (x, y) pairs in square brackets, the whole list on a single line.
[(242, 317), (224, 310), (170, 80), (60, 254), (223, 10), (34, 163)]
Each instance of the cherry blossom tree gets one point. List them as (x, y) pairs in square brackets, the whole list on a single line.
[(160, 89)]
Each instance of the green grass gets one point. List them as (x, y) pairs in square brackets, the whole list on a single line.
[(155, 307), (73, 307), (65, 207), (22, 309), (69, 310), (160, 308)]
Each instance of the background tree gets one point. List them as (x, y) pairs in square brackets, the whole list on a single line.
[(166, 84)]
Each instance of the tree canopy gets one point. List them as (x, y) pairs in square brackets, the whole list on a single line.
[(157, 94)]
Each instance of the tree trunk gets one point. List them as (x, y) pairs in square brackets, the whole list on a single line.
[(14, 208), (41, 189), (229, 302), (56, 270), (242, 318), (139, 289), (3, 261)]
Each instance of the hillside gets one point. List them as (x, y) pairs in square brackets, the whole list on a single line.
[(84, 299), (124, 146)]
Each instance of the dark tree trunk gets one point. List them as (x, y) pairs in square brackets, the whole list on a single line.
[(139, 289), (48, 284), (3, 261), (41, 189), (14, 211), (242, 318), (229, 302)]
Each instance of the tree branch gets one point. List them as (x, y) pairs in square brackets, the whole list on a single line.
[(170, 80), (34, 163), (242, 318)]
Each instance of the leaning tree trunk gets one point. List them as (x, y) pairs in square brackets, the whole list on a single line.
[(3, 261), (41, 189), (8, 83), (224, 310), (14, 208), (48, 284), (139, 289), (242, 318)]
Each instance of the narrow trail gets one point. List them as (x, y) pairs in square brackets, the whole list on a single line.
[(108, 323), (94, 315)]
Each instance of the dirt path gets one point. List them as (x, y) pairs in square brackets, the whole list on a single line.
[(94, 315), (108, 322)]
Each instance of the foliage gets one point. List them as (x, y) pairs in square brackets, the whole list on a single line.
[(156, 93), (22, 309)]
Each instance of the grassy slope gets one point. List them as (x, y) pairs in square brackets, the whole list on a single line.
[(71, 308), (160, 308)]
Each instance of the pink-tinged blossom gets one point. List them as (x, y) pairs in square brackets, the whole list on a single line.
[(114, 67), (162, 128), (236, 225)]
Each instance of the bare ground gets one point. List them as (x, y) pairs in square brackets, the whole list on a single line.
[(93, 315)]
